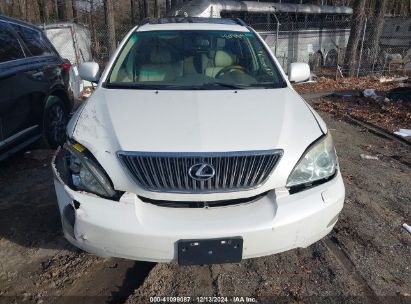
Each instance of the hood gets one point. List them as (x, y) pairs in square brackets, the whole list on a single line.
[(195, 121)]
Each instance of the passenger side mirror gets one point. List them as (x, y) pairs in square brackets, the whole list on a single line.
[(89, 71), (299, 72)]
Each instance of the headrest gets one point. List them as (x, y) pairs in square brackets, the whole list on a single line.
[(223, 59), (160, 56)]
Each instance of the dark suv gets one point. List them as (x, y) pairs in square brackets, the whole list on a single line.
[(34, 100)]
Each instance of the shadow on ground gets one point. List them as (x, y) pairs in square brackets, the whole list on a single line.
[(29, 213)]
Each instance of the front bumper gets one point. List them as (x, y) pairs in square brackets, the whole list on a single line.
[(136, 230)]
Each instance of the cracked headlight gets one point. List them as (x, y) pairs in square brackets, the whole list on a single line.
[(318, 163), (85, 173)]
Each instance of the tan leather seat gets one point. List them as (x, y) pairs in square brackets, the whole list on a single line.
[(160, 67), (189, 65), (222, 59)]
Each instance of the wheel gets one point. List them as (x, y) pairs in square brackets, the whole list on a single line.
[(54, 122)]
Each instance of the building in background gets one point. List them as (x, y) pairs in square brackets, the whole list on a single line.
[(315, 34)]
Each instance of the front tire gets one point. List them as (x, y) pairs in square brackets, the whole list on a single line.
[(54, 122)]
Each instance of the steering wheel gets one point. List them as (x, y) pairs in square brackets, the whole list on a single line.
[(231, 68)]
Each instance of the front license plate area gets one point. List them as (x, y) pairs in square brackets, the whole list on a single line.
[(210, 251)]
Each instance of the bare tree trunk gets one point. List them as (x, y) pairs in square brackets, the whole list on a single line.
[(168, 6), (62, 10), (94, 38), (33, 11), (145, 8), (357, 23), (20, 9), (141, 9), (109, 12), (3, 8), (65, 10), (56, 7), (74, 10), (377, 26), (42, 10), (156, 9), (132, 13)]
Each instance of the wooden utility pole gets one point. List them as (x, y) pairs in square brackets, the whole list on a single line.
[(111, 30)]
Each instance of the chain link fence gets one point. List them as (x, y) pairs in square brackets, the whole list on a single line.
[(320, 43), (391, 54), (323, 45)]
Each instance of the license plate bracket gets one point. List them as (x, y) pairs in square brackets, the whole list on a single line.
[(210, 251)]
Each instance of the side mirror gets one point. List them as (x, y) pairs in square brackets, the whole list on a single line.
[(89, 71), (299, 72)]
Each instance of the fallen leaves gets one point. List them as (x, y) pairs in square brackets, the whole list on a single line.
[(346, 84), (390, 116)]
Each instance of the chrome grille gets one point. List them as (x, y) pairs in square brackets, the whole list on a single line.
[(169, 172)]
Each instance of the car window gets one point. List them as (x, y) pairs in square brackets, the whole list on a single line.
[(10, 47), (33, 40), (195, 60)]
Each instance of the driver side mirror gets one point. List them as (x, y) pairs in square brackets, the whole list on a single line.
[(299, 72), (89, 71)]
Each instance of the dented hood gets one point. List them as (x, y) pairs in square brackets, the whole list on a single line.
[(195, 121)]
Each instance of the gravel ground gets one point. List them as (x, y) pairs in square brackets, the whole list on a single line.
[(366, 258)]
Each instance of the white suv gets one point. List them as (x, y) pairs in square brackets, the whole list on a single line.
[(194, 147)]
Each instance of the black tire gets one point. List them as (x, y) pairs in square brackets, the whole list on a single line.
[(54, 122)]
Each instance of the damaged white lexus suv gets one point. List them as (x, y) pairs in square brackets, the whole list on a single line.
[(194, 147)]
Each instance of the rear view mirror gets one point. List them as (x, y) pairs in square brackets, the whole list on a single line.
[(89, 71), (299, 72)]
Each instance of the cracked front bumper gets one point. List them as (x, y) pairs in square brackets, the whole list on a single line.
[(130, 228)]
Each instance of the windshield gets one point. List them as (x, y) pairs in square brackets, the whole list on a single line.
[(194, 60)]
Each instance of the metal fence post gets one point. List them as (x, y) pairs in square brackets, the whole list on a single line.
[(362, 46), (276, 35)]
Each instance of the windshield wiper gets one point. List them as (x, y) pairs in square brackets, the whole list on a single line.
[(226, 85), (204, 86), (132, 85)]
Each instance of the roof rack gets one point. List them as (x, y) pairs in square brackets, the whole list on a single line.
[(166, 20)]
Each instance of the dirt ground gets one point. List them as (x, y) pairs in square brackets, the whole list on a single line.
[(366, 258)]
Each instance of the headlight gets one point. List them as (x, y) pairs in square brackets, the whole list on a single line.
[(85, 173), (319, 162)]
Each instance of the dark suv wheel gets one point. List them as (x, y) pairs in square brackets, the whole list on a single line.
[(54, 122)]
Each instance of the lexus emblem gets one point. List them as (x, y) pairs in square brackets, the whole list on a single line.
[(201, 172)]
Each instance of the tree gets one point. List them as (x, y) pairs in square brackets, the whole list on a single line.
[(74, 9), (133, 13), (65, 10), (376, 27), (156, 9), (357, 24), (111, 30)]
